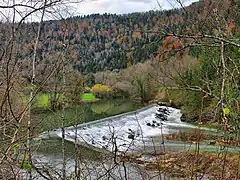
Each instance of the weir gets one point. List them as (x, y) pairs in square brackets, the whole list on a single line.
[(127, 132), (113, 132)]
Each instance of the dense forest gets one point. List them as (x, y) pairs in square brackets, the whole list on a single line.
[(182, 65), (109, 41)]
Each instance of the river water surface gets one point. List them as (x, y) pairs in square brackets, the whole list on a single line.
[(136, 132)]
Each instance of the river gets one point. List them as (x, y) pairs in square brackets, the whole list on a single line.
[(138, 132)]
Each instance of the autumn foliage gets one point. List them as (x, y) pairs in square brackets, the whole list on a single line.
[(170, 43), (101, 90)]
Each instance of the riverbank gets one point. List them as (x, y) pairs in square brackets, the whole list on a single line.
[(190, 165)]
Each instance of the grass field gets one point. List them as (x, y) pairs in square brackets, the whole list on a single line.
[(43, 100), (88, 97)]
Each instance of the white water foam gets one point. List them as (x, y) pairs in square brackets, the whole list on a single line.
[(125, 132)]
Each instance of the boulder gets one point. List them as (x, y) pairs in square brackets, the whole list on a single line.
[(148, 124), (104, 138), (163, 117), (131, 136), (131, 130), (164, 111)]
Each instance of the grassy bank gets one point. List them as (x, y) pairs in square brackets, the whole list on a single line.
[(43, 100)]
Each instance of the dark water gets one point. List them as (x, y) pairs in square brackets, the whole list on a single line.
[(48, 120)]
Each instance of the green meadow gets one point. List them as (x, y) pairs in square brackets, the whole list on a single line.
[(43, 100), (88, 97)]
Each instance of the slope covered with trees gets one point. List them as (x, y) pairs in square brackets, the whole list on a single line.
[(102, 42), (195, 65), (109, 41)]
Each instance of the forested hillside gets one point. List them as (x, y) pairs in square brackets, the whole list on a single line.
[(56, 75), (106, 42)]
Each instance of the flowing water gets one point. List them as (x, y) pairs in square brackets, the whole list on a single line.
[(134, 132), (128, 132)]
